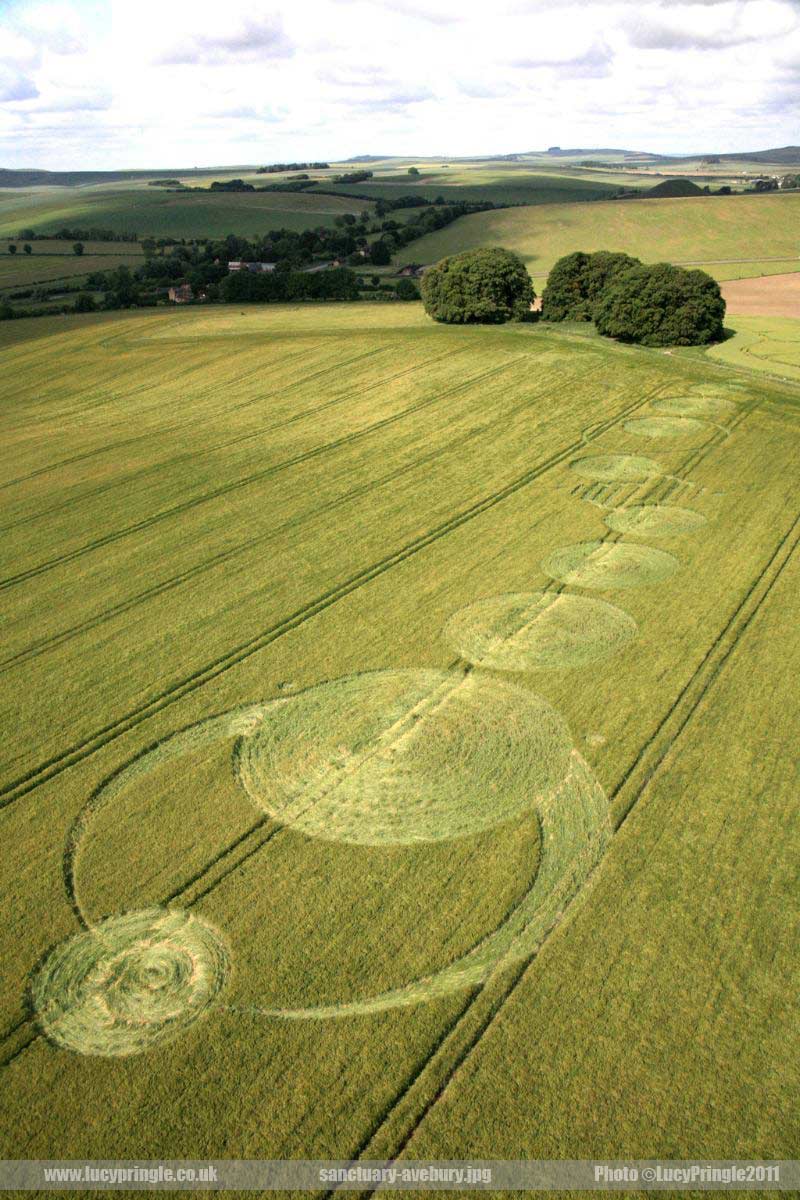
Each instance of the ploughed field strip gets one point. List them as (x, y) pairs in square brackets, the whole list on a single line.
[(344, 697)]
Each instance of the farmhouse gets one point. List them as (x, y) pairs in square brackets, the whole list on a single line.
[(181, 294), (255, 267), (411, 269)]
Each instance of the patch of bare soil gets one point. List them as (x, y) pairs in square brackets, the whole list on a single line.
[(770, 296)]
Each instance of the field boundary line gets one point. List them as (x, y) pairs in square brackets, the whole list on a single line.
[(89, 745)]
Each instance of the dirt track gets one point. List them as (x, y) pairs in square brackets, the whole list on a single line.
[(771, 296)]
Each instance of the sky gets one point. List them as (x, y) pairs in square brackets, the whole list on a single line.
[(109, 84)]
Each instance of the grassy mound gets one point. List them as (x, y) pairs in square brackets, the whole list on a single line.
[(528, 631), (604, 565), (130, 982), (673, 188)]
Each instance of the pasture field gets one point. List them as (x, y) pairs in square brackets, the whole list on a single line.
[(52, 260), (398, 741), (154, 212), (729, 236)]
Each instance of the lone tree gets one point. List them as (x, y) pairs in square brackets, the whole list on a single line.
[(77, 248), (12, 249), (486, 287), (27, 248), (661, 305), (576, 282)]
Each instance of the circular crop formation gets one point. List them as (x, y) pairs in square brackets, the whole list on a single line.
[(694, 406), (604, 565), (397, 757), (615, 468), (538, 630), (665, 427), (654, 520), (129, 982)]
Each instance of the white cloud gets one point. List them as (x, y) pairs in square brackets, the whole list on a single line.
[(187, 82), (253, 37)]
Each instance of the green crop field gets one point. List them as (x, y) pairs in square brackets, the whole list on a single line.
[(765, 344), (500, 185), (398, 741), (730, 236), (148, 211), (55, 260)]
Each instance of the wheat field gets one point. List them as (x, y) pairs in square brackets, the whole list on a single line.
[(370, 784)]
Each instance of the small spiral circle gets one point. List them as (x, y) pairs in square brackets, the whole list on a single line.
[(129, 982)]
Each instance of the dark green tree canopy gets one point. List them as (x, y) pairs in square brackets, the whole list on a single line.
[(661, 305), (576, 282), (486, 287)]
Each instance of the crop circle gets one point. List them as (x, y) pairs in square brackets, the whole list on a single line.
[(538, 630), (603, 565), (129, 982), (615, 468), (397, 757), (694, 407), (655, 520)]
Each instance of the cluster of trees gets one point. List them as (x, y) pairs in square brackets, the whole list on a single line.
[(244, 286), (230, 185), (653, 305), (353, 177), (486, 287), (279, 168), (78, 235), (662, 305), (164, 183), (576, 282)]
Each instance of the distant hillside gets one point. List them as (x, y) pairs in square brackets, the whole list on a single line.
[(368, 158), (558, 152), (25, 178), (720, 231), (783, 154)]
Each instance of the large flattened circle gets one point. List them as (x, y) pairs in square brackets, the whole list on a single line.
[(615, 468), (607, 565), (524, 631), (654, 520), (694, 407), (398, 757), (129, 982)]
